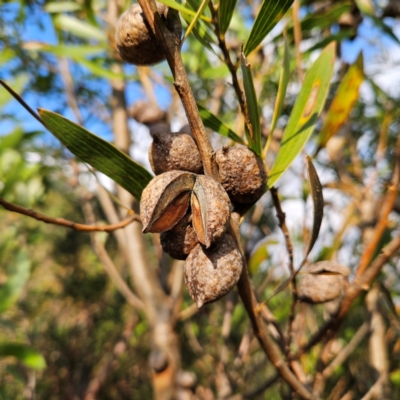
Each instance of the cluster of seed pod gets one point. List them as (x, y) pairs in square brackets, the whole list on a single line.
[(192, 210), (189, 209)]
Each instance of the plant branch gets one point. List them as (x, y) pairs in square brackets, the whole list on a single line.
[(232, 69), (387, 207), (361, 284), (282, 224), (171, 45), (64, 222)]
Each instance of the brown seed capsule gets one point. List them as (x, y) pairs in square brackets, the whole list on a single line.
[(210, 209), (135, 40), (322, 282), (211, 273), (174, 151), (165, 200), (180, 240), (242, 174)]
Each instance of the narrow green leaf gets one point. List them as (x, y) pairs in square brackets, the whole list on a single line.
[(270, 14), (283, 82), (98, 70), (214, 123), (343, 102), (176, 6), (318, 201), (195, 19), (252, 105), (30, 357), (303, 118), (78, 28), (62, 6), (225, 12), (73, 51), (11, 290), (385, 28), (366, 7), (98, 153)]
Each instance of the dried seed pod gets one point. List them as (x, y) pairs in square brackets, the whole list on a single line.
[(180, 240), (174, 151), (322, 282), (135, 40), (210, 209), (242, 174), (165, 200), (211, 273)]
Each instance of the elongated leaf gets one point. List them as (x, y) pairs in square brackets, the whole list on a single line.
[(309, 104), (73, 51), (252, 105), (343, 102), (214, 123), (225, 12), (62, 6), (270, 14), (385, 28), (11, 290), (78, 28), (98, 70), (30, 357), (98, 153), (6, 55), (176, 6), (283, 82), (318, 201)]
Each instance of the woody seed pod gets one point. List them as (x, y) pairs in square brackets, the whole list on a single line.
[(322, 282), (242, 174), (180, 240), (135, 40), (211, 273), (165, 200), (210, 209), (174, 151)]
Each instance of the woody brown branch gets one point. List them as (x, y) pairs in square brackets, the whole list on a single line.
[(64, 222)]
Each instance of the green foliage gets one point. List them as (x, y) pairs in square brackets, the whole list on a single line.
[(225, 12), (269, 15), (23, 353), (303, 118), (98, 153)]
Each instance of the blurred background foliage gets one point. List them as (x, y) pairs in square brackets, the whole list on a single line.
[(64, 326)]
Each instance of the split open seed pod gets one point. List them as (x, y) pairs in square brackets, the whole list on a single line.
[(174, 151), (322, 282), (211, 273), (135, 40), (242, 174), (210, 209), (181, 239), (165, 200)]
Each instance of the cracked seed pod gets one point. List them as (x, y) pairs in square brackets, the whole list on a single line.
[(322, 282), (174, 151), (181, 239), (165, 200), (210, 209), (135, 40), (211, 273), (242, 174)]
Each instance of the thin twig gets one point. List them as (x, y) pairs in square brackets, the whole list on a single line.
[(64, 222), (388, 204), (360, 285), (108, 264), (171, 45), (289, 247), (232, 69)]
